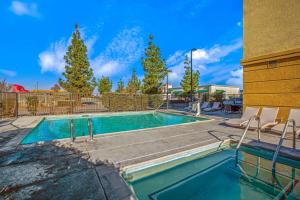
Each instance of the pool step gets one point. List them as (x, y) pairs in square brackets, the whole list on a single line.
[(284, 151), (267, 155)]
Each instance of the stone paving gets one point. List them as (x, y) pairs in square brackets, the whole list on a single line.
[(90, 170)]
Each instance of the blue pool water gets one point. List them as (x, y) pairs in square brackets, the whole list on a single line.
[(52, 129), (216, 177)]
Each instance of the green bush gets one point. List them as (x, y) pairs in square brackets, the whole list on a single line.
[(130, 102)]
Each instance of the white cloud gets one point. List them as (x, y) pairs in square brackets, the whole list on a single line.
[(52, 60), (90, 42), (7, 72), (21, 8), (124, 49), (236, 78), (203, 59), (175, 58), (215, 53), (239, 24)]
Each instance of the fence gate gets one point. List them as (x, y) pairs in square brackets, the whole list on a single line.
[(8, 105)]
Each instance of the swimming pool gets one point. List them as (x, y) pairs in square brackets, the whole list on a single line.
[(216, 176), (58, 128)]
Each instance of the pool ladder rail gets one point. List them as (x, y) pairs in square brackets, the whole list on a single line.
[(258, 138), (90, 130), (285, 189)]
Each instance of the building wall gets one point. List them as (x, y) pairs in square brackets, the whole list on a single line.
[(271, 59), (270, 26), (227, 89)]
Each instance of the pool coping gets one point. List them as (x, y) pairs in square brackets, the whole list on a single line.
[(83, 138), (176, 156), (126, 171)]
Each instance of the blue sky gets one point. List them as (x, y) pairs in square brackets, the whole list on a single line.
[(35, 34)]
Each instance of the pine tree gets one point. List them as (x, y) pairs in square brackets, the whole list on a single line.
[(55, 88), (134, 84), (104, 85), (186, 81), (78, 75), (154, 68), (121, 87)]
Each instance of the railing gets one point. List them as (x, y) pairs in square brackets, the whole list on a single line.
[(72, 130), (281, 141), (8, 105), (90, 127), (244, 135), (55, 103)]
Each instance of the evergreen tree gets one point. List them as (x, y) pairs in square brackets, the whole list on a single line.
[(186, 81), (55, 88), (154, 68), (78, 75), (134, 84), (104, 85), (121, 87)]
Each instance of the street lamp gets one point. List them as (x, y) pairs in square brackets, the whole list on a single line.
[(192, 73), (168, 71)]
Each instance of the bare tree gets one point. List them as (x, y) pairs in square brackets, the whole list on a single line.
[(4, 86)]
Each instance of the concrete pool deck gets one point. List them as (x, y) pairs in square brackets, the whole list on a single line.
[(90, 170)]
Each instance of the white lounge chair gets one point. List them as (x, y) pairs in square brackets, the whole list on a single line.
[(267, 119), (192, 107), (295, 115), (215, 106), (204, 105), (189, 107), (249, 112)]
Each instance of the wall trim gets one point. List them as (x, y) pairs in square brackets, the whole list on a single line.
[(271, 57)]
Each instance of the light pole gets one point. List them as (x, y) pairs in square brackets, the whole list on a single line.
[(168, 71), (192, 73)]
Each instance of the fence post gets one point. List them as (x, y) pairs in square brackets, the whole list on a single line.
[(109, 109), (71, 101), (141, 102), (17, 105), (135, 102)]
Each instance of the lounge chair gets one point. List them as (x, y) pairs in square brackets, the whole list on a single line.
[(215, 106), (267, 119), (204, 105), (295, 115), (189, 107), (192, 107), (249, 112)]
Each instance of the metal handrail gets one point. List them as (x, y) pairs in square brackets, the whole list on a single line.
[(159, 107), (244, 135), (90, 127), (72, 130), (282, 139), (258, 127)]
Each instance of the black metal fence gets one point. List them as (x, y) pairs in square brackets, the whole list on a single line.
[(8, 105), (179, 101), (20, 104)]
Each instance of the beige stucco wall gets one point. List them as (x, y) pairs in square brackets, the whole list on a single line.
[(270, 26)]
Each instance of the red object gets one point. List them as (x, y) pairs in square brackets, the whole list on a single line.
[(18, 88)]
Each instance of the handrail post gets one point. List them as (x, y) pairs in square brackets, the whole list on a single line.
[(90, 129), (72, 130), (258, 127), (294, 133), (281, 142), (242, 138)]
